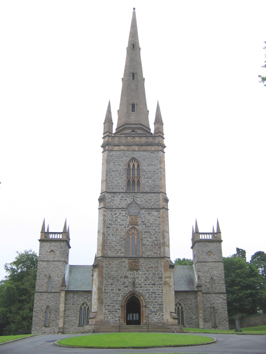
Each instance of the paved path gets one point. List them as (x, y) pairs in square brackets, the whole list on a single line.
[(226, 344)]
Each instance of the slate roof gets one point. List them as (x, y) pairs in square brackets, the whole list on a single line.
[(184, 278), (78, 278)]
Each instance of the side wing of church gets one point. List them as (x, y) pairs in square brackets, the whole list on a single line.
[(132, 281)]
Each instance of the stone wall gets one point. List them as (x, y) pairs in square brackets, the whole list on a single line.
[(250, 321), (150, 170), (190, 305), (74, 299), (41, 301), (118, 282), (219, 302)]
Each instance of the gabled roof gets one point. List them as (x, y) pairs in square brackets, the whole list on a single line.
[(184, 278), (78, 278)]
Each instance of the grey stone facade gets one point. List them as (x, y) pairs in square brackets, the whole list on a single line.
[(132, 279)]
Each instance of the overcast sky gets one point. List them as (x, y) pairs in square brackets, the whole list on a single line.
[(61, 62)]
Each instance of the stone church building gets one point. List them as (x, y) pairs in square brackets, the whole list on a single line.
[(132, 281)]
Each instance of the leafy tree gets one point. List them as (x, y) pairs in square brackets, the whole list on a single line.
[(17, 294), (183, 261), (243, 283), (263, 78), (259, 261)]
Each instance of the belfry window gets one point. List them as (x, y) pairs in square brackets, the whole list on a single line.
[(133, 107), (179, 309), (133, 76), (133, 243), (133, 173), (84, 314)]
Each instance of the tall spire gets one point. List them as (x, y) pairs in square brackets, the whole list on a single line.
[(133, 112)]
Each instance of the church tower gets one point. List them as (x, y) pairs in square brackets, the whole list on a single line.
[(132, 273)]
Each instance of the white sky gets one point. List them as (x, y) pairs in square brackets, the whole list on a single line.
[(60, 63)]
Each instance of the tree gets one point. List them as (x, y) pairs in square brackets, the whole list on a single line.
[(263, 78), (259, 261), (183, 261), (17, 294), (243, 284)]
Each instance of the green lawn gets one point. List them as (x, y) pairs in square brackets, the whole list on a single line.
[(133, 340), (4, 339), (248, 330)]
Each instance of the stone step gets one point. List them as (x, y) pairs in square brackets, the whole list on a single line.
[(153, 328)]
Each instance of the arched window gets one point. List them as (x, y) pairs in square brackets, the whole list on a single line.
[(46, 321), (133, 243), (133, 107), (179, 310), (212, 286), (133, 174), (49, 285), (133, 76), (84, 314), (214, 320)]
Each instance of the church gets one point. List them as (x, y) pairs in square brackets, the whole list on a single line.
[(132, 281)]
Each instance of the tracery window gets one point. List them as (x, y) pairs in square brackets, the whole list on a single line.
[(133, 174), (179, 309), (84, 314), (133, 243), (46, 321)]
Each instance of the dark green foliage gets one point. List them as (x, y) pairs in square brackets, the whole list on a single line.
[(17, 294), (243, 286), (263, 78), (259, 261), (183, 261)]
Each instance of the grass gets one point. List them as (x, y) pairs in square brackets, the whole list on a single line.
[(4, 339), (134, 340), (248, 330)]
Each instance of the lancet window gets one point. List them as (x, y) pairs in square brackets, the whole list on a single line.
[(133, 243), (214, 320), (133, 107), (179, 309), (212, 286), (49, 285), (84, 314), (133, 173), (46, 320)]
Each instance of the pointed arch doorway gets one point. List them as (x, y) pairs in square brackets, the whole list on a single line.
[(133, 309), (133, 313)]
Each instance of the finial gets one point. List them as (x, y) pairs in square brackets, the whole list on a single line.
[(218, 226), (43, 226), (196, 226), (65, 226)]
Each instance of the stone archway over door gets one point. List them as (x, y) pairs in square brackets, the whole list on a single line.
[(133, 311), (133, 303)]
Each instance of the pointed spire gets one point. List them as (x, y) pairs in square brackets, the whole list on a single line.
[(213, 230), (196, 226), (65, 226), (68, 232), (192, 231), (47, 229), (218, 227), (108, 122), (158, 123), (133, 112), (43, 226)]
